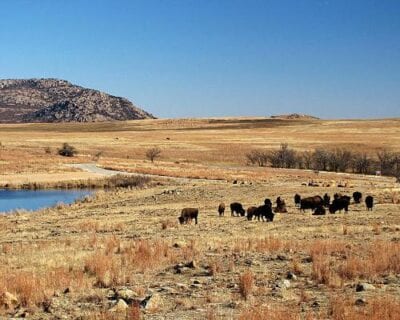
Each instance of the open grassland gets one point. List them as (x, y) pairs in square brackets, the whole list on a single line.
[(126, 244), (103, 257), (189, 147)]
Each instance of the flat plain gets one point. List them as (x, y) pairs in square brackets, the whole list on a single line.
[(122, 254)]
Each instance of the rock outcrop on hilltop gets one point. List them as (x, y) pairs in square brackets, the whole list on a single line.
[(294, 116), (53, 100)]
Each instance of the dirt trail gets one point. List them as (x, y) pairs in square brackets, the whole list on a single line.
[(93, 168)]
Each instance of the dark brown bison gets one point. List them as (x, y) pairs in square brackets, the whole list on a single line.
[(311, 203), (327, 200), (188, 214), (237, 208), (369, 202), (268, 202), (250, 212), (221, 209), (265, 213), (357, 196), (340, 204), (319, 211), (297, 199), (280, 206)]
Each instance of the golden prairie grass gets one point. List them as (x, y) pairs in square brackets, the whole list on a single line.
[(269, 313), (377, 308), (246, 284), (340, 308), (333, 262), (32, 289)]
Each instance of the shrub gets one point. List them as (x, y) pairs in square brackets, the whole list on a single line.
[(67, 150), (153, 153)]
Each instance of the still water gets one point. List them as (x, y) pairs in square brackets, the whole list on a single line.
[(37, 199)]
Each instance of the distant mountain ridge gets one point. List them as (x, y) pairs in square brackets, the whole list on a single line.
[(54, 100)]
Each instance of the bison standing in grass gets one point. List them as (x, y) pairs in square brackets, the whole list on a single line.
[(221, 209), (265, 213), (369, 202), (319, 211), (251, 212), (340, 204), (327, 200), (357, 196), (311, 203), (297, 199), (237, 208), (188, 214), (280, 206)]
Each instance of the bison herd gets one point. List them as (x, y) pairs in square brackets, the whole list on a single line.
[(266, 212), (340, 202)]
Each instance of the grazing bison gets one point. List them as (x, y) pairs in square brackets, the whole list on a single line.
[(311, 203), (319, 211), (251, 212), (327, 200), (268, 202), (369, 202), (237, 208), (357, 196), (221, 209), (297, 199), (188, 214), (340, 204), (265, 213), (280, 205)]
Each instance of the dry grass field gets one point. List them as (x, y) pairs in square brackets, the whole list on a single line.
[(122, 254)]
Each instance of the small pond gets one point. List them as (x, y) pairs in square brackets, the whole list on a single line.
[(37, 199)]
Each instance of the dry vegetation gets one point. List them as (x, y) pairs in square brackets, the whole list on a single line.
[(122, 254)]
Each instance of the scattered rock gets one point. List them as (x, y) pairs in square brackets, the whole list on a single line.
[(179, 244), (151, 302), (291, 276), (364, 287), (360, 302), (121, 306), (192, 264), (282, 257), (8, 300), (126, 294)]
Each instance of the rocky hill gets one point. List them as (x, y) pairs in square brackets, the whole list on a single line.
[(53, 100), (295, 116)]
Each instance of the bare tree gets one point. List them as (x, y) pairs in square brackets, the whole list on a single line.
[(320, 160), (307, 157), (153, 153), (362, 163), (284, 157), (257, 157), (386, 161), (339, 160)]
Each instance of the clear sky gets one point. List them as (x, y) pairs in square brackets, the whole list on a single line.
[(329, 58)]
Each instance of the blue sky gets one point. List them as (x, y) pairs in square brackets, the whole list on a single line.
[(333, 59)]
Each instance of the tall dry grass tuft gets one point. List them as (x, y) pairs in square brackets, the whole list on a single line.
[(270, 244), (269, 313), (377, 259), (105, 268), (246, 284), (377, 308)]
